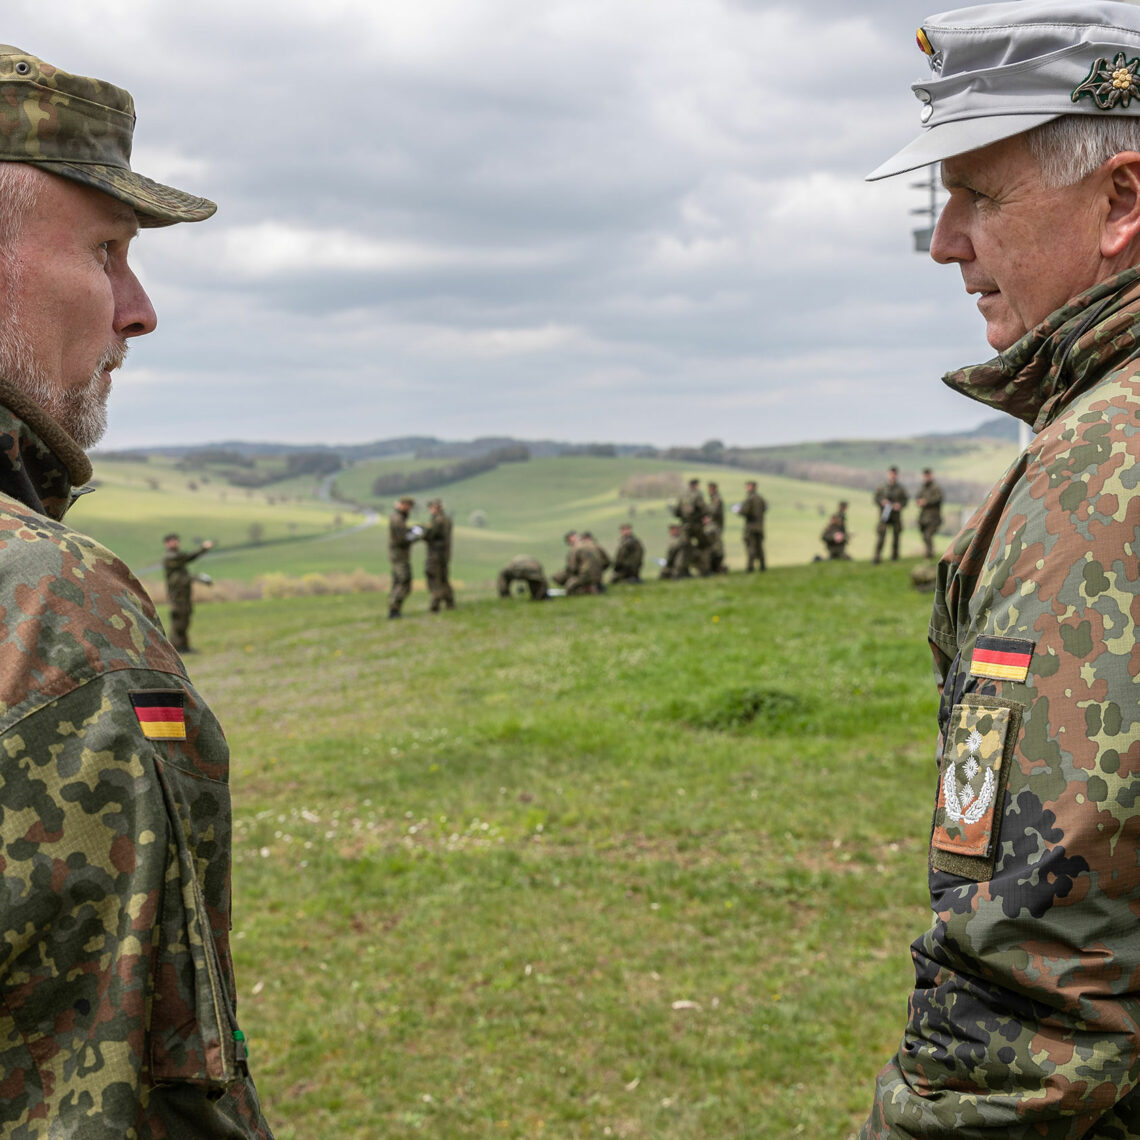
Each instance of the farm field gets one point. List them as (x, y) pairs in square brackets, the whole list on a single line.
[(639, 865), (525, 508)]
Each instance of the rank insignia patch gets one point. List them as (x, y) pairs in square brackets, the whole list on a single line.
[(1108, 84), (1001, 659), (977, 752), (161, 714)]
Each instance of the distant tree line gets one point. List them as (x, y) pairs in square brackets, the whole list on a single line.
[(242, 471), (400, 482)]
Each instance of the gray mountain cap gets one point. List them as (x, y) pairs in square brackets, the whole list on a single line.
[(1000, 69)]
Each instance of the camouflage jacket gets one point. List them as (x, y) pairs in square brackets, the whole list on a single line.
[(174, 565), (437, 538), (629, 557), (399, 537), (894, 494), (691, 509), (716, 510), (752, 511), (118, 1012), (1025, 1017), (929, 500)]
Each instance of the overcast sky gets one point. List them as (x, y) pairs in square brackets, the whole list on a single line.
[(630, 220)]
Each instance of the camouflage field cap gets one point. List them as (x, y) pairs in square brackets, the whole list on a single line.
[(81, 129), (999, 69)]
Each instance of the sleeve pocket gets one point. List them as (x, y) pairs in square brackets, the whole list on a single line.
[(193, 1033), (978, 748)]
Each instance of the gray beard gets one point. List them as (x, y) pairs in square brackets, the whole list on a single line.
[(82, 411)]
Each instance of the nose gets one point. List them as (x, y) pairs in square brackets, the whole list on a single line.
[(950, 244), (134, 314)]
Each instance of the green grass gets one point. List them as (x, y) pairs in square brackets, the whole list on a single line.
[(639, 865)]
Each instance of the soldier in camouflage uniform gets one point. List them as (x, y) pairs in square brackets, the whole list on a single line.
[(890, 498), (523, 568), (583, 571), (437, 539), (834, 537), (714, 548), (179, 588), (1025, 1016), (629, 557), (691, 509), (400, 539), (716, 506), (929, 500), (118, 1015), (603, 558), (675, 564), (752, 511)]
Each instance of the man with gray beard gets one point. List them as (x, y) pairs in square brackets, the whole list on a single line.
[(118, 1012)]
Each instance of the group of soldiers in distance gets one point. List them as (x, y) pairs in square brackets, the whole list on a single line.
[(695, 547), (890, 497)]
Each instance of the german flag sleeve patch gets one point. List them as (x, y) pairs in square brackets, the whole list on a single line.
[(1002, 659), (161, 713)]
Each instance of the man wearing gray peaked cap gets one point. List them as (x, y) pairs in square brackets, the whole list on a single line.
[(118, 1011), (1025, 1015)]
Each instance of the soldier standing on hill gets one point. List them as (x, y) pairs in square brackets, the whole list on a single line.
[(929, 500), (716, 507), (752, 511), (437, 539), (118, 1015), (1024, 1019), (400, 539), (629, 557), (180, 589), (691, 509), (523, 568), (890, 497)]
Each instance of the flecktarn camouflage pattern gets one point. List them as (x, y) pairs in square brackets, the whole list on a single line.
[(1025, 1017), (81, 129), (118, 1017)]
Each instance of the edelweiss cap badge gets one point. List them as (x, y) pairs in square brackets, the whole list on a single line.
[(1000, 69), (1110, 84)]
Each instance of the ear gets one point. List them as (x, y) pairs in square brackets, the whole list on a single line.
[(1121, 228)]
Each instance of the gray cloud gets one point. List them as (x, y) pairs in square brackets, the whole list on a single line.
[(587, 219)]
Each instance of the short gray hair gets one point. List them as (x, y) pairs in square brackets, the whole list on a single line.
[(1071, 147), (19, 191)]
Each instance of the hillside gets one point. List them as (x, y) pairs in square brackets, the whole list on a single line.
[(641, 865), (333, 522)]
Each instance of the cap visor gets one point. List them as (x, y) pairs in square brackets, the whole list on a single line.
[(949, 139), (155, 204)]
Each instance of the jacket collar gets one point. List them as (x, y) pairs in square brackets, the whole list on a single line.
[(1070, 351), (39, 462)]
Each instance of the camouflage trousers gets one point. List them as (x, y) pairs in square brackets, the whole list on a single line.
[(895, 527), (180, 611), (435, 571), (401, 583), (754, 548), (535, 581), (929, 529)]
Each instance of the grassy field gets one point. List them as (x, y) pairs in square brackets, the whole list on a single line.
[(639, 865), (527, 507)]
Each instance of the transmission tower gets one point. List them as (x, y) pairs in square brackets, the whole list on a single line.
[(930, 211)]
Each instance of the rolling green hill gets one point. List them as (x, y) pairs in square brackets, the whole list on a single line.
[(296, 527)]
